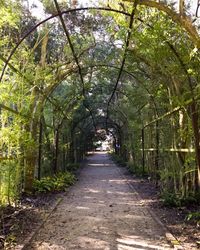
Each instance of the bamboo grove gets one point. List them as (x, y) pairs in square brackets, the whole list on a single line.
[(130, 68)]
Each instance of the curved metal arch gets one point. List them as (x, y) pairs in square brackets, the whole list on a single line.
[(92, 66), (108, 66), (160, 8), (112, 125), (56, 15), (86, 133), (182, 20), (130, 74), (94, 8), (49, 18), (125, 71)]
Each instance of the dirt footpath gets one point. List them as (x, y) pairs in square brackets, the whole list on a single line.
[(100, 212)]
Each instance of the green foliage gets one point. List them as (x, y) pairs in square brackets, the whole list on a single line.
[(10, 181), (131, 167), (118, 159), (136, 169), (187, 201), (174, 200), (72, 167), (58, 182), (170, 199), (194, 216), (191, 199), (44, 185), (10, 241)]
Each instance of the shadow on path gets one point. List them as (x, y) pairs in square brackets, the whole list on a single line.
[(100, 212)]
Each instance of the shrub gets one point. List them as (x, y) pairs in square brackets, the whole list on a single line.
[(137, 170), (170, 199), (72, 167), (131, 167), (174, 200), (118, 159), (64, 180), (190, 200), (57, 182), (195, 216), (44, 185)]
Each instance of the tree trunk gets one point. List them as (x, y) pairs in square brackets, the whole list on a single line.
[(157, 153), (56, 151), (143, 153), (195, 121), (40, 150), (31, 156)]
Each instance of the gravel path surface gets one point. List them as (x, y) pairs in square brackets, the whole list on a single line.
[(100, 212)]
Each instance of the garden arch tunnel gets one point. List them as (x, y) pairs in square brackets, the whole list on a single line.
[(93, 89)]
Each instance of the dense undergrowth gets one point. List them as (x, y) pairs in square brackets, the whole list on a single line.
[(168, 197), (46, 191), (57, 182)]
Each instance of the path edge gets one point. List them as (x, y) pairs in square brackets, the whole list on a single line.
[(33, 234), (169, 236)]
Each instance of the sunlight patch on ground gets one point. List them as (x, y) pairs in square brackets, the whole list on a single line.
[(102, 202), (94, 219), (122, 193), (88, 197), (83, 208), (92, 190), (89, 243), (99, 165), (104, 214), (130, 216), (117, 181), (49, 246), (131, 242)]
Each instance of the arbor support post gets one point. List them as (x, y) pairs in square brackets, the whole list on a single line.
[(40, 149), (143, 153)]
